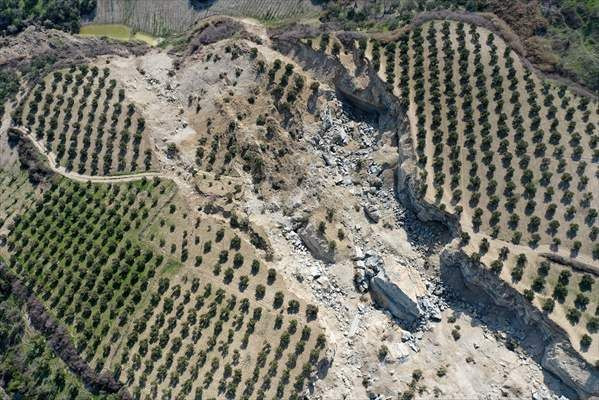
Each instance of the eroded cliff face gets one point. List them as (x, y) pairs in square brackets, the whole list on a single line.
[(545, 341), (555, 353)]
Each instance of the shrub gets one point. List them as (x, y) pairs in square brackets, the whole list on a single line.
[(238, 260), (560, 292), (455, 333), (585, 341), (529, 295), (441, 371), (272, 275), (593, 324), (548, 305), (322, 227), (236, 243), (311, 312), (255, 267), (383, 352), (573, 315), (586, 282), (581, 301), (278, 299), (260, 292)]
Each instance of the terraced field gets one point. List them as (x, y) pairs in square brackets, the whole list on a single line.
[(172, 321), (512, 155), (81, 116)]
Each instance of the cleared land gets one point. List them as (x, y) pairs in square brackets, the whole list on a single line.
[(116, 31)]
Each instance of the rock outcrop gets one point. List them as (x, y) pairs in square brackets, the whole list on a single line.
[(388, 295), (556, 354), (317, 244)]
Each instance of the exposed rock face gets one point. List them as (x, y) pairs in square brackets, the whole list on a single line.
[(561, 360), (406, 188), (317, 244), (556, 354), (390, 296)]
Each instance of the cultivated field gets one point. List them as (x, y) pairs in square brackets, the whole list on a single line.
[(513, 155), (28, 366), (174, 306), (16, 196), (82, 116)]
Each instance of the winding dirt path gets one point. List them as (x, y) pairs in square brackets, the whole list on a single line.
[(54, 166)]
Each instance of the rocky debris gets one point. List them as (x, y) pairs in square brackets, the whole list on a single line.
[(429, 309), (366, 268), (399, 352), (317, 244), (562, 360), (558, 356), (372, 213)]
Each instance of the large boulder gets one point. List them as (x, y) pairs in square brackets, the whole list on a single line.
[(562, 360), (317, 244), (389, 295)]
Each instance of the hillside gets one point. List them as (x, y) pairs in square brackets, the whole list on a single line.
[(275, 208)]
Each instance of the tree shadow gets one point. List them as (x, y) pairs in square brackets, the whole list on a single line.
[(201, 5)]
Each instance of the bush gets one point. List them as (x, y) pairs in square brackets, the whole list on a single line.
[(255, 267), (560, 292), (585, 341), (573, 315), (593, 324), (383, 352), (586, 283), (311, 312), (442, 371), (548, 305), (455, 333), (322, 227), (260, 292), (272, 275)]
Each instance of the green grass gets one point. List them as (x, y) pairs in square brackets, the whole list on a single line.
[(90, 277), (29, 367), (118, 32)]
